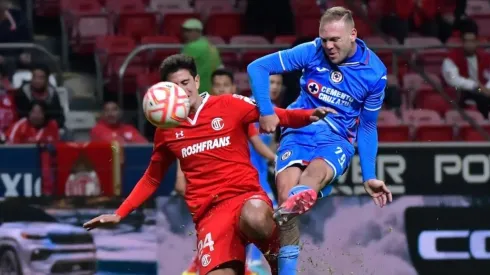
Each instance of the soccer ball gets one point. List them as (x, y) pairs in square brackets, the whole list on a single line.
[(166, 105)]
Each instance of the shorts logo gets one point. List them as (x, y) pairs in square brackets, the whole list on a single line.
[(286, 155), (217, 124), (336, 77), (205, 260)]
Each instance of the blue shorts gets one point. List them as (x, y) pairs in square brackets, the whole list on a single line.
[(294, 149)]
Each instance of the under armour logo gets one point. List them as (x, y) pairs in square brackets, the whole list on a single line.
[(179, 134)]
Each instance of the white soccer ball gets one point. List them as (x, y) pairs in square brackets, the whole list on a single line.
[(166, 105)]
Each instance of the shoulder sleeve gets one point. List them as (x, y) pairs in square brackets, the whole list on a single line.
[(245, 108), (376, 95), (252, 130)]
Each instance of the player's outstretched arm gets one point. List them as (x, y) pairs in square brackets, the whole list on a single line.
[(367, 143), (299, 118)]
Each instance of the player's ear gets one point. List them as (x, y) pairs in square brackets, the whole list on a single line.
[(197, 79), (353, 34)]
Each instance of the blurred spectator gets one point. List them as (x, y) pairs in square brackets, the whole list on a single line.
[(111, 128), (205, 54), (467, 70), (7, 113), (13, 29), (393, 98), (271, 18), (451, 15), (275, 82), (39, 89), (223, 82), (395, 18), (35, 128), (291, 79), (24, 74)]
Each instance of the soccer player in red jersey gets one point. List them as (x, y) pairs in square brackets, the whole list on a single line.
[(228, 205)]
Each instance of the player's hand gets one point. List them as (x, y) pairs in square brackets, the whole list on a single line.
[(106, 219), (268, 123), (378, 191), (321, 112)]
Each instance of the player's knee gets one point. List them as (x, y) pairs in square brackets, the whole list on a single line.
[(256, 220)]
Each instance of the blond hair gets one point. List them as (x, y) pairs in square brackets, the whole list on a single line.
[(337, 14)]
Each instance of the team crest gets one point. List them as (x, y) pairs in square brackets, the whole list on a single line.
[(217, 124), (205, 260), (336, 77), (286, 155), (313, 87)]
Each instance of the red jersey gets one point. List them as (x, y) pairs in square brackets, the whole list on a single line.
[(212, 147), (123, 133), (23, 132)]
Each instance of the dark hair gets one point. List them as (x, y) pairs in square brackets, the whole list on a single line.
[(225, 72), (177, 62), (41, 67), (468, 26), (39, 103)]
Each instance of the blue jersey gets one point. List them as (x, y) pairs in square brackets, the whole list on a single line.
[(354, 88)]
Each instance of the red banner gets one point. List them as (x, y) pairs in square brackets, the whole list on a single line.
[(88, 169)]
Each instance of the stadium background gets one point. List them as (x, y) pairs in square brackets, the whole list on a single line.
[(433, 156)]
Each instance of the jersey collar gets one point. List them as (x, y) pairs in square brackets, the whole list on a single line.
[(360, 57), (205, 96)]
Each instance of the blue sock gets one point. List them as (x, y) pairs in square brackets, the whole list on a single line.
[(288, 259), (297, 189), (325, 192)]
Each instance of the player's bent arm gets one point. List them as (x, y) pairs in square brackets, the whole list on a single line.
[(161, 159), (262, 148), (367, 134), (283, 61)]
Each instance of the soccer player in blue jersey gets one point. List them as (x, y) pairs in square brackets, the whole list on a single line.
[(340, 72)]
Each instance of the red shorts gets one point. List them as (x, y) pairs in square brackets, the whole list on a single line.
[(219, 239)]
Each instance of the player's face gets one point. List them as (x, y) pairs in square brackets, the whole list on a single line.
[(275, 82), (190, 84), (338, 38), (222, 85)]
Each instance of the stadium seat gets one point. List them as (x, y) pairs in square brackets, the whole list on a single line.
[(250, 55), (415, 82), (388, 118), (216, 21), (137, 24), (172, 22), (468, 133), (207, 7), (154, 57), (432, 101), (301, 7), (478, 7), (399, 133), (173, 6), (216, 40), (434, 133), (145, 81), (453, 117), (307, 25), (84, 20), (285, 39), (482, 20), (118, 6), (419, 117)]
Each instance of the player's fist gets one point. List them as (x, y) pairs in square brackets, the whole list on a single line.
[(107, 219), (321, 112), (268, 123), (378, 191)]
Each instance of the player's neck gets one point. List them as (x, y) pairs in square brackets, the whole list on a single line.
[(196, 105), (353, 50)]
